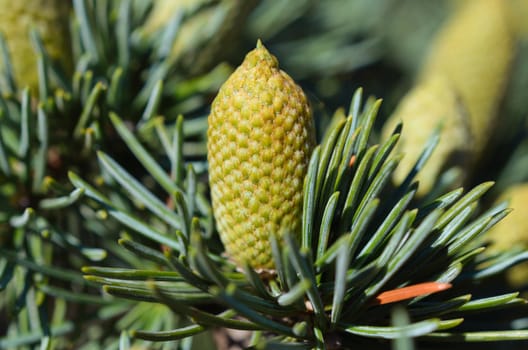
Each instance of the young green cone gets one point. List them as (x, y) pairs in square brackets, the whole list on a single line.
[(260, 139)]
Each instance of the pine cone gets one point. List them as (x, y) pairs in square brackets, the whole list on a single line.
[(260, 139), (429, 105), (50, 18), (474, 51), (513, 230), (518, 15)]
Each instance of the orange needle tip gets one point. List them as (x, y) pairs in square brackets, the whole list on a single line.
[(352, 161), (412, 291)]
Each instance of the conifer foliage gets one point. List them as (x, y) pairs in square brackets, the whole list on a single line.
[(138, 210)]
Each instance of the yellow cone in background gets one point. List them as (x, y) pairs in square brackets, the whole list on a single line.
[(519, 17), (260, 140), (51, 19), (475, 51), (430, 105), (513, 230), (459, 87)]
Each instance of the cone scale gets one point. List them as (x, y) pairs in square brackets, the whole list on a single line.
[(260, 139)]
